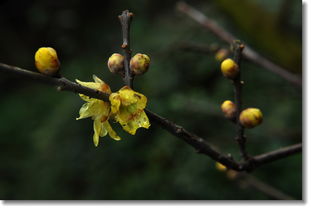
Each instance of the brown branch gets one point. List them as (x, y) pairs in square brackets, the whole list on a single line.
[(200, 144), (248, 53), (125, 20), (61, 83), (276, 154), (237, 83)]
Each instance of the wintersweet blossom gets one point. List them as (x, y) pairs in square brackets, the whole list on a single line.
[(127, 107), (97, 109)]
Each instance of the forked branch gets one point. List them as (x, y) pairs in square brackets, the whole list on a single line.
[(248, 52)]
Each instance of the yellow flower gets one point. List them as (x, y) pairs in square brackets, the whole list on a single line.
[(127, 107), (98, 110)]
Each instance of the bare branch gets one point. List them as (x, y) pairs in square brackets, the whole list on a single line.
[(198, 143), (61, 83), (248, 180), (276, 154), (248, 53), (207, 49), (125, 20), (237, 83)]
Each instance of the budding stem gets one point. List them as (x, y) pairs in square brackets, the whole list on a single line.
[(125, 20), (240, 138)]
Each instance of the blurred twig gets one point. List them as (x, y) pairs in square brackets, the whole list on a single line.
[(246, 180), (202, 48), (248, 53), (267, 189)]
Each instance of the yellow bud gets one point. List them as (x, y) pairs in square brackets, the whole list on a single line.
[(229, 109), (221, 54), (251, 117), (46, 61), (116, 63), (220, 167), (231, 174), (229, 68), (139, 64)]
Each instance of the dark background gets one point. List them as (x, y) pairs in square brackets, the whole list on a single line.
[(46, 154)]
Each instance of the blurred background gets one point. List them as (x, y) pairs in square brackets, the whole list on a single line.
[(46, 154)]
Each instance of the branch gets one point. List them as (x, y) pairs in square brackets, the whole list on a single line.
[(61, 83), (276, 154), (207, 49), (248, 53), (200, 144), (237, 83), (125, 20), (252, 181)]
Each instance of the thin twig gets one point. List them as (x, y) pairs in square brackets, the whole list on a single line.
[(237, 83), (207, 49), (198, 143), (125, 20), (251, 181), (61, 83), (276, 154), (248, 53)]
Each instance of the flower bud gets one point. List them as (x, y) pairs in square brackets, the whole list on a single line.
[(116, 63), (46, 61), (139, 64), (251, 117), (229, 109), (221, 54), (229, 68), (231, 174), (220, 167)]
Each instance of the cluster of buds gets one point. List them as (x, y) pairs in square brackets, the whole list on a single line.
[(139, 64), (46, 62), (249, 118)]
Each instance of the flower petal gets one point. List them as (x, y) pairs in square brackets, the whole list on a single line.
[(127, 96), (85, 111), (97, 80), (95, 109), (97, 125), (141, 101), (140, 121), (111, 132), (91, 85), (86, 98), (115, 102)]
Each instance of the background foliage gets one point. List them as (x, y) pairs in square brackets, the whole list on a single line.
[(46, 154)]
